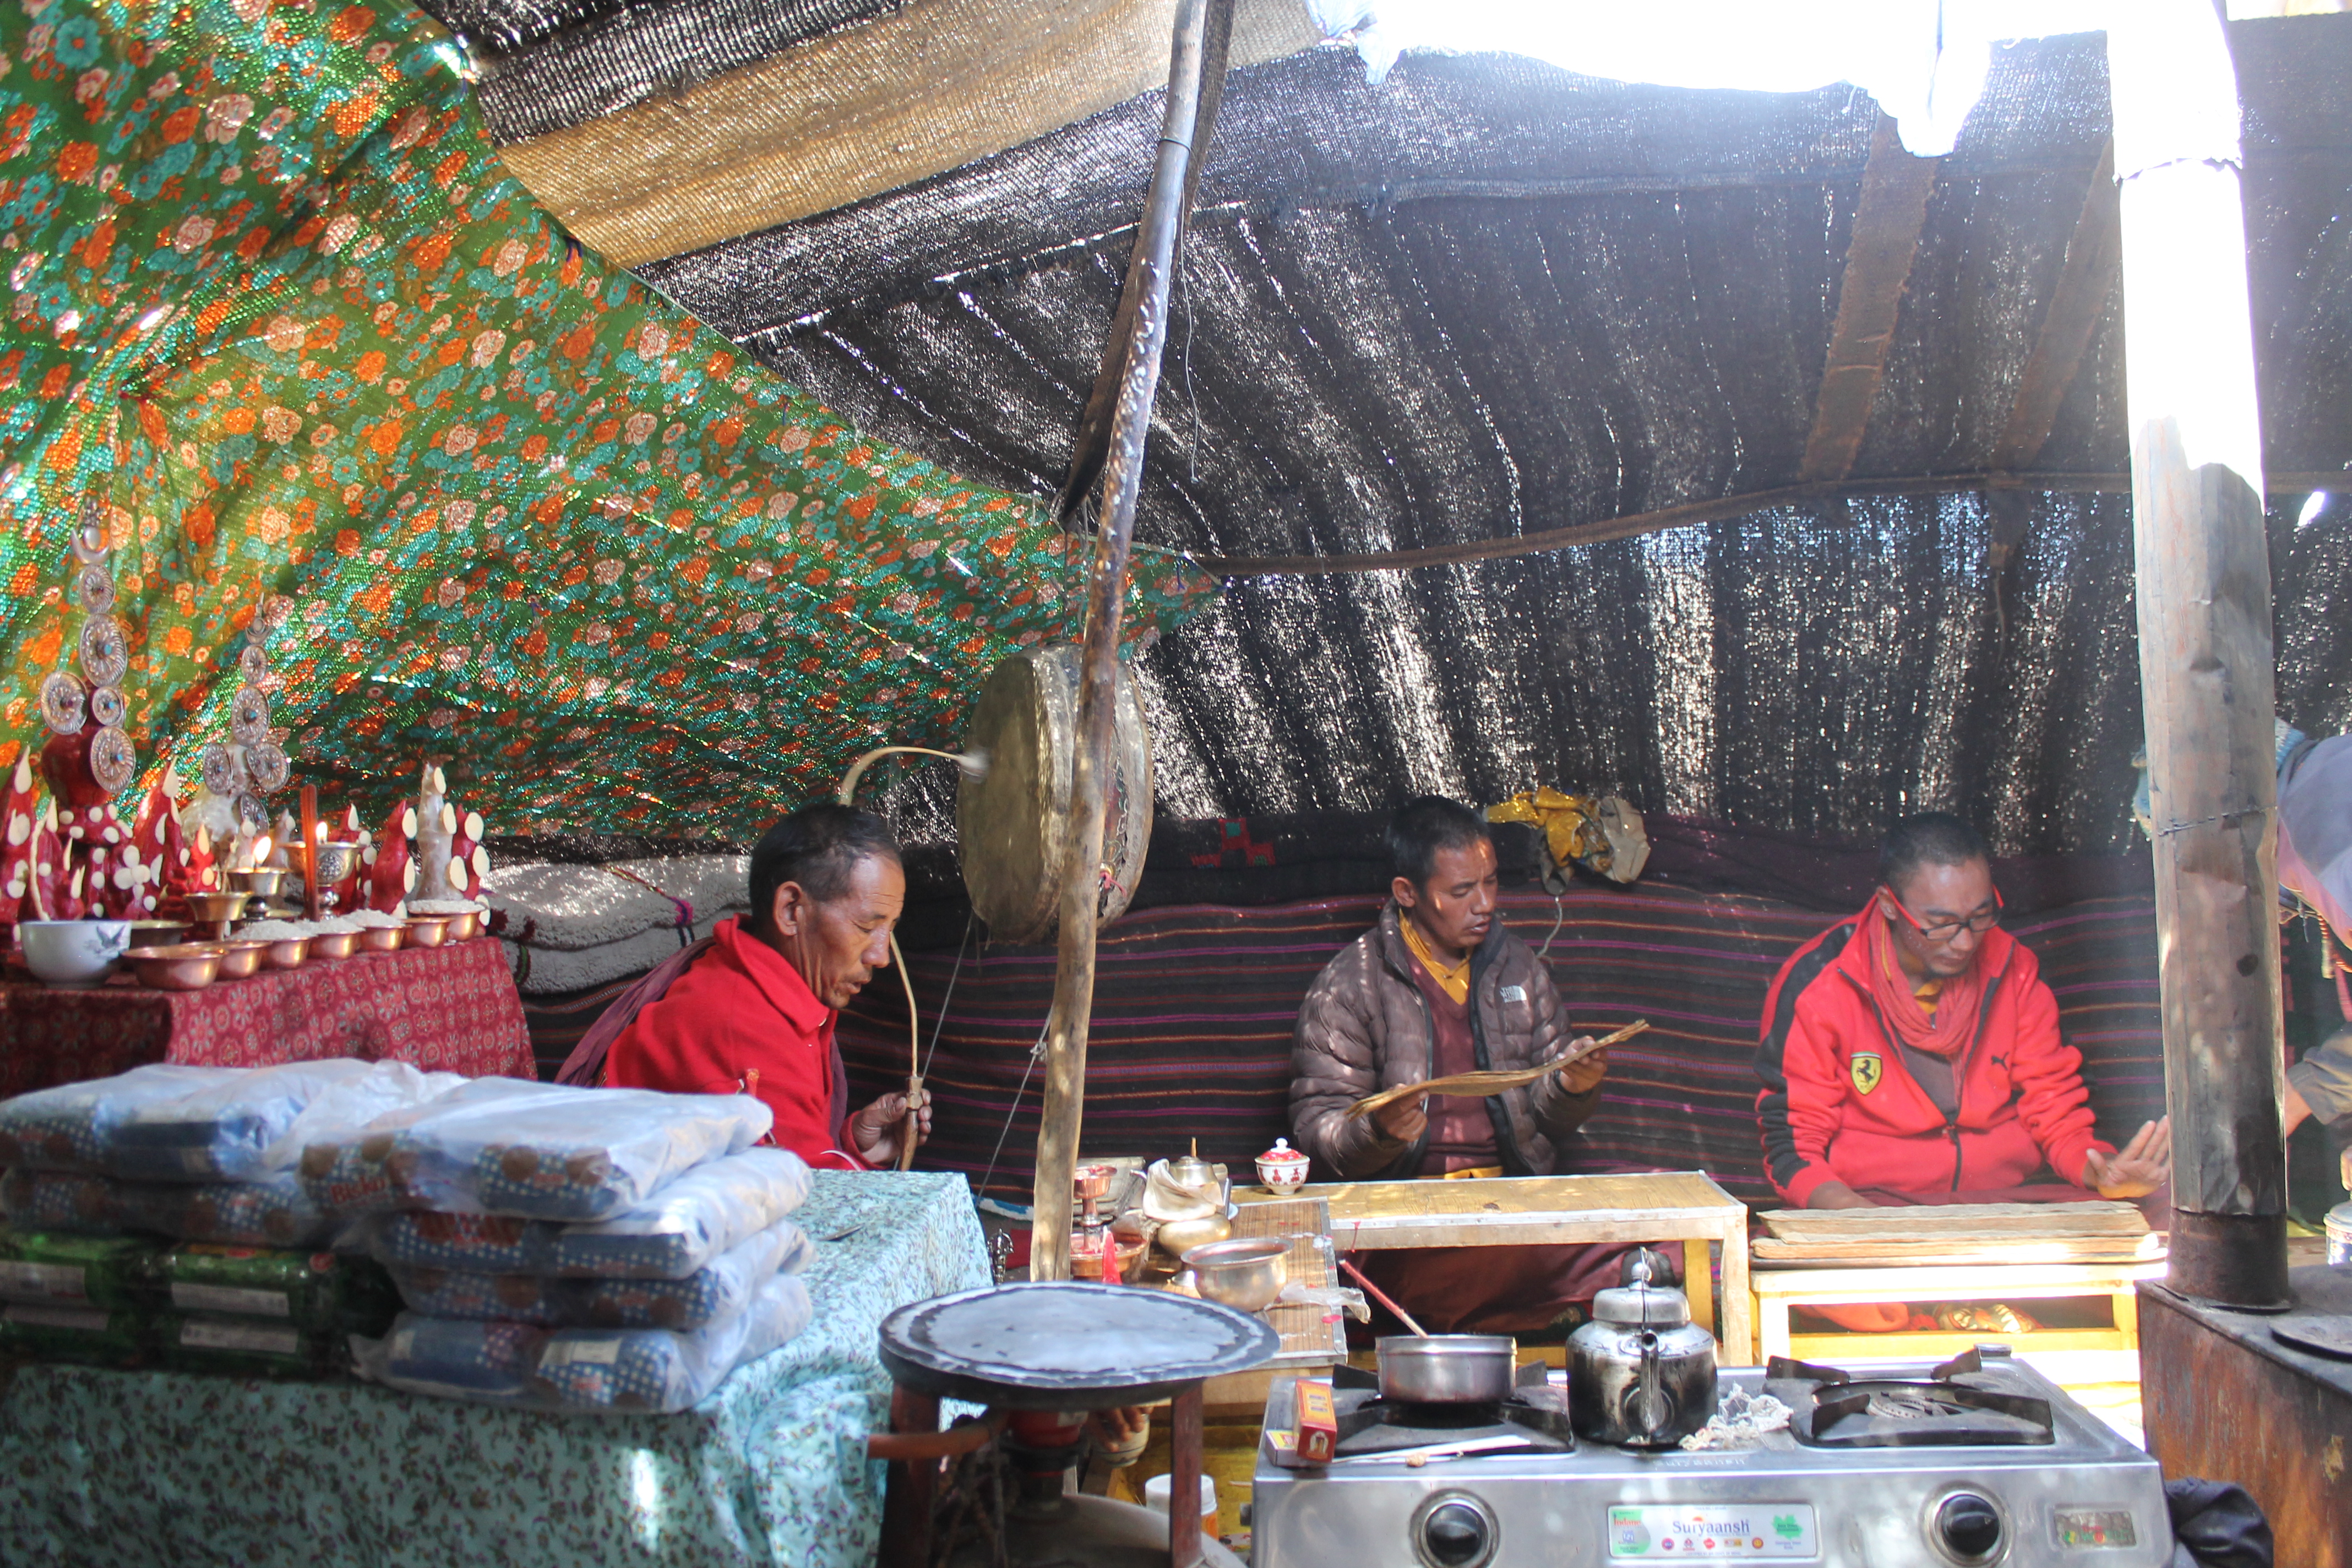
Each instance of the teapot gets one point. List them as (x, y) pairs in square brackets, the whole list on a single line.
[(1641, 1374)]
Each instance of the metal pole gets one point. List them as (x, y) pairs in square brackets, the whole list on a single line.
[(1074, 978), (2206, 662)]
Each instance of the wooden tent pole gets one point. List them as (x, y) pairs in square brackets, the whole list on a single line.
[(2205, 663), (1074, 977)]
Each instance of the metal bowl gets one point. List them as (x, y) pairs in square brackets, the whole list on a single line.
[(1447, 1369), (286, 952), (426, 931), (465, 926), (184, 966), (335, 944), (262, 881), (156, 933), (382, 939), (240, 959), (1179, 1237), (1246, 1272)]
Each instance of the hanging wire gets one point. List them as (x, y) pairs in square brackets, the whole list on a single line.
[(1184, 292), (940, 1024), (1036, 1055)]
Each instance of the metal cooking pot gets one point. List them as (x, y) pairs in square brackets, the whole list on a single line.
[(1447, 1369), (1641, 1374), (1245, 1273)]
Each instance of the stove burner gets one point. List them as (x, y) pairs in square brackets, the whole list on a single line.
[(1833, 1409), (1533, 1420)]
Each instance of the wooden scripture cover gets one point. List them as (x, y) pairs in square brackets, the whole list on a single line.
[(1013, 823)]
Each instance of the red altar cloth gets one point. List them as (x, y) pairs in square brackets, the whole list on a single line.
[(449, 1009)]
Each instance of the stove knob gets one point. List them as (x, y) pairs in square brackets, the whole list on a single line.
[(1456, 1532), (1968, 1527)]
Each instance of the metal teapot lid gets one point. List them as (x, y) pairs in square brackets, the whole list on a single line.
[(1642, 1305)]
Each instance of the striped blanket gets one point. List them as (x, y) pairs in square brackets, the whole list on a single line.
[(1194, 1006)]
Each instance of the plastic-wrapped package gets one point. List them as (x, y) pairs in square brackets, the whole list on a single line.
[(71, 1127), (89, 1335), (567, 1154), (709, 1210), (352, 1172), (651, 1370), (721, 1289), (110, 1273), (242, 1347), (606, 1371), (315, 1292), (259, 1121), (272, 1212), (65, 1202), (458, 1359)]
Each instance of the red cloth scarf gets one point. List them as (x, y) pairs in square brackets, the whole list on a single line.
[(1954, 1024)]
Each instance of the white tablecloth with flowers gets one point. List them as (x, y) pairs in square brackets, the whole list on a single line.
[(119, 1469)]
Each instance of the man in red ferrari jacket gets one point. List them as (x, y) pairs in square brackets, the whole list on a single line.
[(752, 1011), (1911, 1053)]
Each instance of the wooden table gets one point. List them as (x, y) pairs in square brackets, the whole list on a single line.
[(1541, 1211)]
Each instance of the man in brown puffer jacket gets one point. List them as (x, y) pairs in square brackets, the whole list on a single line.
[(1440, 987)]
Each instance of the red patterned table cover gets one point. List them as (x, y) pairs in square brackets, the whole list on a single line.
[(452, 1009)]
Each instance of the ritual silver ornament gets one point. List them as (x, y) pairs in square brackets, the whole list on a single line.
[(113, 760), (248, 717), (105, 650), (90, 544), (266, 764), (94, 586), (106, 704), (64, 703), (219, 769), (254, 665), (252, 813)]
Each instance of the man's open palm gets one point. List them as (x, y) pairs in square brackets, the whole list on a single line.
[(2136, 1170)]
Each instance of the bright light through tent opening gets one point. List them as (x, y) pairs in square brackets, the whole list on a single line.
[(2312, 507)]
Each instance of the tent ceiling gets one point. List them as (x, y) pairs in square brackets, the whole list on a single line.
[(1490, 299)]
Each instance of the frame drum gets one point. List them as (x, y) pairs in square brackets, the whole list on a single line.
[(1013, 823)]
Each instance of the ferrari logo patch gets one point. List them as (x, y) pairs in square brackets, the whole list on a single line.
[(1866, 1071)]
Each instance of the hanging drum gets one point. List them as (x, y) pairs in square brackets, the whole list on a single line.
[(1014, 822)]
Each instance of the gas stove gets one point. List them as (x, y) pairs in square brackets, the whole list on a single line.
[(1972, 1463)]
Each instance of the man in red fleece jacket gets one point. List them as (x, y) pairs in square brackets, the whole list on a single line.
[(1910, 1053), (753, 1010)]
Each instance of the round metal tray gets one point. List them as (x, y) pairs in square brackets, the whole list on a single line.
[(1068, 1345)]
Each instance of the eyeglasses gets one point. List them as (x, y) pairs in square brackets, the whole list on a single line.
[(1944, 931)]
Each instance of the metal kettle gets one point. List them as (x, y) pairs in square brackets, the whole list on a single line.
[(1641, 1374)]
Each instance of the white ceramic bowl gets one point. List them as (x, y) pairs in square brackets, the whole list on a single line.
[(73, 953)]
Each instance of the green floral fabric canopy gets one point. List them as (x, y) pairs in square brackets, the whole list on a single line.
[(342, 392)]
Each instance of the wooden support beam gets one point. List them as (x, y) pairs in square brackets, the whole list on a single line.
[(1886, 223), (2080, 297), (1714, 509), (1067, 1021), (853, 114), (2205, 649)]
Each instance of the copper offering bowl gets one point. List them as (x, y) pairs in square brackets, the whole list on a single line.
[(240, 958), (462, 927), (263, 882), (335, 944), (180, 966), (286, 952), (157, 933), (382, 939), (426, 931), (214, 911)]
